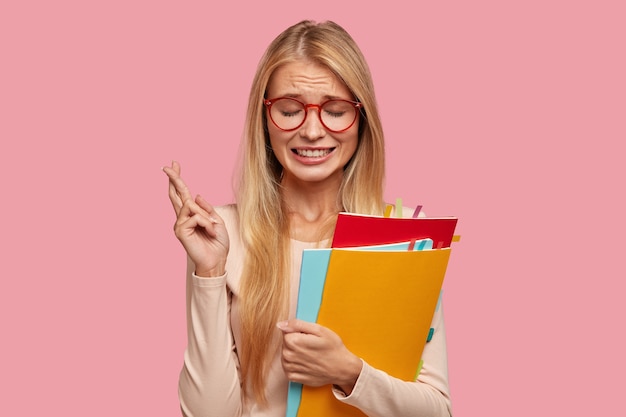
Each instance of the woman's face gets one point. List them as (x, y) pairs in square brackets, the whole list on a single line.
[(311, 153)]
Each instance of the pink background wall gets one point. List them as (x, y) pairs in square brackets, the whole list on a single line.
[(510, 116)]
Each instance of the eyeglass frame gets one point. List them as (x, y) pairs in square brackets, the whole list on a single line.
[(357, 106)]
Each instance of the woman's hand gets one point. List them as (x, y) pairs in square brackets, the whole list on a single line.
[(315, 355), (198, 227)]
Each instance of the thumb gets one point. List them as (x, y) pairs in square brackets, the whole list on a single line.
[(298, 326)]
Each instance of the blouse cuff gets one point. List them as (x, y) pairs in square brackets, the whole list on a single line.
[(363, 376), (209, 281)]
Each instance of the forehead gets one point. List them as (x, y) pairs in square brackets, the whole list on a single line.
[(306, 79)]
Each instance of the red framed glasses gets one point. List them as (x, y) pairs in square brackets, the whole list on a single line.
[(336, 115)]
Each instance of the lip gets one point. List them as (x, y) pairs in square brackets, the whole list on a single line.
[(326, 153)]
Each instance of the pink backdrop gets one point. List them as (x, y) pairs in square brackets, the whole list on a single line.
[(511, 117)]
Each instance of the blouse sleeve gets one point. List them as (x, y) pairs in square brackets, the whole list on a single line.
[(209, 383), (378, 394)]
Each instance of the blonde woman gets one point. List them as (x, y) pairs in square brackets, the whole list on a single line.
[(313, 146)]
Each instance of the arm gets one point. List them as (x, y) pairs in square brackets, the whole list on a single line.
[(209, 381), (314, 355)]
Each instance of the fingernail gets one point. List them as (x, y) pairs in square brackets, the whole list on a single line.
[(282, 325)]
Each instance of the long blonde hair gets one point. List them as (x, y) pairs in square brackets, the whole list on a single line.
[(263, 219)]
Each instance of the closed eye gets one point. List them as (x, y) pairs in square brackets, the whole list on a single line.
[(335, 113), (290, 113)]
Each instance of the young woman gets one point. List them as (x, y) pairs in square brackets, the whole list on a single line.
[(313, 146)]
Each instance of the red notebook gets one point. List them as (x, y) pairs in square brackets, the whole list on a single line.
[(362, 230)]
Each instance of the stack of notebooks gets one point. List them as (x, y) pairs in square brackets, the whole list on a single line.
[(377, 287)]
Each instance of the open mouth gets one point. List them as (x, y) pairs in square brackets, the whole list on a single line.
[(313, 153)]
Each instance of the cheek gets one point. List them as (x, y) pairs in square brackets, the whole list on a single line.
[(351, 144), (278, 142)]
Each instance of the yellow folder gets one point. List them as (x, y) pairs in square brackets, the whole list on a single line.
[(381, 303)]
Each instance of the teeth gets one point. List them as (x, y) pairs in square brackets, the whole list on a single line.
[(313, 153)]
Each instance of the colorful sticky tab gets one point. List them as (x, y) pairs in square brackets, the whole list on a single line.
[(399, 207), (430, 334), (456, 238), (419, 369), (416, 213), (388, 210)]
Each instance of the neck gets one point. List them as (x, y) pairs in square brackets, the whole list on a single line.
[(312, 209)]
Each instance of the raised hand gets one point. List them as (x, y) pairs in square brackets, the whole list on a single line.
[(315, 355), (198, 227)]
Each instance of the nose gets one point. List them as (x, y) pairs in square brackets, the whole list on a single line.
[(312, 128)]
